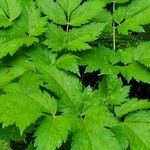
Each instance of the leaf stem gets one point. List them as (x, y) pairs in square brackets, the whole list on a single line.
[(114, 28), (68, 19), (67, 30)]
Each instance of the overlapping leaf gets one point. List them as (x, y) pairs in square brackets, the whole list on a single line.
[(133, 16), (92, 135), (75, 39), (112, 92), (26, 102), (8, 13), (24, 29), (52, 132)]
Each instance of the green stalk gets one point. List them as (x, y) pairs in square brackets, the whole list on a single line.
[(114, 28)]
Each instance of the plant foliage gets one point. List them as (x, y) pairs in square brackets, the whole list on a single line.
[(43, 103)]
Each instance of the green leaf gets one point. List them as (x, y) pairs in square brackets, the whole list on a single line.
[(85, 12), (140, 54), (53, 40), (51, 133), (130, 106), (11, 133), (136, 71), (69, 5), (103, 116), (53, 10), (68, 62), (109, 1), (79, 38), (66, 87), (104, 16), (137, 12), (112, 92), (91, 134), (28, 25), (119, 134), (75, 39), (137, 132), (12, 39), (30, 147), (26, 102), (99, 58), (31, 21), (8, 7), (4, 21), (139, 116)]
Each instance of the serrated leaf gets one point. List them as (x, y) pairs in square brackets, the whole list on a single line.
[(68, 62), (112, 91), (51, 133), (139, 116), (78, 38), (8, 7), (53, 11), (140, 54), (85, 12), (66, 87), (103, 116), (91, 134), (137, 12), (31, 21), (136, 71), (69, 5), (99, 58), (75, 39), (138, 134), (109, 1), (12, 39), (53, 40), (22, 103), (130, 106)]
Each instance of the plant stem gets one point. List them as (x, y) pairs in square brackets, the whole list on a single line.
[(114, 29), (67, 30), (68, 20)]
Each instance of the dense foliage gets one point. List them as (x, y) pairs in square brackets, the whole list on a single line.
[(46, 48)]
